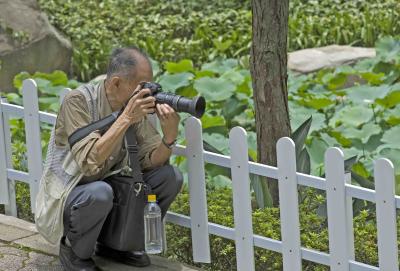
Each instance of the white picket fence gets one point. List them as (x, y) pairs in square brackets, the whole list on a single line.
[(337, 185)]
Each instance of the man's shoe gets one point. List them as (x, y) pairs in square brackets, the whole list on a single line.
[(134, 258), (71, 262)]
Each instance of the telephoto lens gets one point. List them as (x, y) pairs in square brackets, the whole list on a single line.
[(195, 106)]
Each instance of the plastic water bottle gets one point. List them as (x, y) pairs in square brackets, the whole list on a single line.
[(152, 226)]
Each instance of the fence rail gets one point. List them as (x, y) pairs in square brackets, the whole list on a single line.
[(339, 192)]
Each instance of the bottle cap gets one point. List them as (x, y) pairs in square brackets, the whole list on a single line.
[(151, 198)]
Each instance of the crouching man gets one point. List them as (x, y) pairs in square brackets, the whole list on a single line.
[(73, 200)]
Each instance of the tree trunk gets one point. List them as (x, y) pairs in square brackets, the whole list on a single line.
[(268, 66)]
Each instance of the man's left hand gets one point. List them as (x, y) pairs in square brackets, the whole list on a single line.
[(169, 121)]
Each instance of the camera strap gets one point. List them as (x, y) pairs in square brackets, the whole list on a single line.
[(133, 148)]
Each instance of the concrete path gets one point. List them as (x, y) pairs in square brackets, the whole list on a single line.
[(23, 249)]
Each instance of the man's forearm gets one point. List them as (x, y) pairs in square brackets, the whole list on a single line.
[(109, 140), (160, 155)]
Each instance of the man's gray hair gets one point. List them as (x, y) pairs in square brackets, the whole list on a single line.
[(124, 60)]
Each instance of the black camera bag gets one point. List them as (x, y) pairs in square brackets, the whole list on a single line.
[(124, 227)]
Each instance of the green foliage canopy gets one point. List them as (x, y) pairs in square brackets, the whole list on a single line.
[(201, 31)]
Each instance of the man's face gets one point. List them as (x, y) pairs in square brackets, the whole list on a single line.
[(142, 73), (126, 85)]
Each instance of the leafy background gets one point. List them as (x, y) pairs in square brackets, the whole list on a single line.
[(177, 29), (355, 108)]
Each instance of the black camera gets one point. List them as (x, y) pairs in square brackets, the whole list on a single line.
[(195, 106)]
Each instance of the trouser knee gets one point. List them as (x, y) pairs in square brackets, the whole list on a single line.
[(89, 205), (178, 179), (173, 179), (102, 195)]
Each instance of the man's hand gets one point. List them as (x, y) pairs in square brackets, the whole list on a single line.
[(169, 121), (138, 107)]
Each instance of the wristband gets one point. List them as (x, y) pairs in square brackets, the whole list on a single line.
[(169, 146)]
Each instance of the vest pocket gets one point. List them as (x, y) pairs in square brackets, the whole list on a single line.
[(69, 165), (53, 186)]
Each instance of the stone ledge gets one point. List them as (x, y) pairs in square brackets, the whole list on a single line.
[(38, 243), (314, 59), (10, 233), (16, 222), (20, 235)]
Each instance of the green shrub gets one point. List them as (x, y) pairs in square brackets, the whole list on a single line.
[(266, 222), (49, 87), (23, 200), (153, 25), (201, 30), (356, 22)]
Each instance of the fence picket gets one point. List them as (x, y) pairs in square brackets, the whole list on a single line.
[(386, 215), (337, 210), (241, 199), (197, 189), (289, 204), (4, 195), (11, 208), (63, 93), (349, 218), (33, 141)]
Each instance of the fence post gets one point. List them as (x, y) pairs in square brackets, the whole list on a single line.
[(241, 199), (11, 208), (33, 141), (63, 93), (4, 196), (337, 210), (349, 218), (197, 190), (289, 204), (386, 215)]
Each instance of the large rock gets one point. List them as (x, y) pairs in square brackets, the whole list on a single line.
[(28, 42), (310, 60)]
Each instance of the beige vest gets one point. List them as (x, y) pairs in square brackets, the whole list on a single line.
[(61, 174)]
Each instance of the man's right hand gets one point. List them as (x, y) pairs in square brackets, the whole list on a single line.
[(138, 107)]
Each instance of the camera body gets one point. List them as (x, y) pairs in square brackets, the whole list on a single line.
[(195, 106), (154, 88)]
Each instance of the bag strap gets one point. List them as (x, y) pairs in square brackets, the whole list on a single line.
[(132, 148), (130, 137), (90, 100)]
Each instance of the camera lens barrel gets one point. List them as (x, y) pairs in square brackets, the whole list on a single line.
[(195, 106)]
